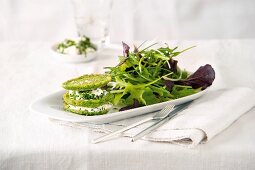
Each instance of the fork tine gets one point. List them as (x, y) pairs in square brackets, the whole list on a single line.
[(167, 108), (163, 112)]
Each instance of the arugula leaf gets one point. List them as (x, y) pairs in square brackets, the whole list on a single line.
[(182, 91), (149, 97)]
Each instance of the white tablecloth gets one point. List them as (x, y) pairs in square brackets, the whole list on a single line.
[(29, 141)]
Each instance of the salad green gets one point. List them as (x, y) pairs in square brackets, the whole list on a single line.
[(148, 76)]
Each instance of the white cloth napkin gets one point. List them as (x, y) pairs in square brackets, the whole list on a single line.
[(205, 118)]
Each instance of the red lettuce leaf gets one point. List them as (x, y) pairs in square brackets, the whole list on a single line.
[(173, 65), (125, 49), (203, 78), (169, 85)]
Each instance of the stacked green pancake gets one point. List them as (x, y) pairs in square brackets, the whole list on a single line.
[(87, 95)]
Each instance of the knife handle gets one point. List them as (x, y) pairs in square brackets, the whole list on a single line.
[(120, 131), (150, 129)]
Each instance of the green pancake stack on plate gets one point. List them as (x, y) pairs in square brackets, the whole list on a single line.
[(87, 95)]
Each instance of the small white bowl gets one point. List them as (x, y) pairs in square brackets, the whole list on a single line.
[(73, 58)]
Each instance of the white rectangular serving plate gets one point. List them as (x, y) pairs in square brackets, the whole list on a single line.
[(52, 106)]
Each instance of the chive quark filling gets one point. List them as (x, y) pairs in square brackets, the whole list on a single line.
[(90, 109), (87, 95)]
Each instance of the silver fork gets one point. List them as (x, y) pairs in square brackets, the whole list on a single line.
[(159, 115)]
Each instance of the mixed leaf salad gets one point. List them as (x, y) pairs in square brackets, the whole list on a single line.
[(82, 46), (148, 76)]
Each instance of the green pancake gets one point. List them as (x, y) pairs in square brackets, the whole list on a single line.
[(105, 99), (84, 112), (87, 82)]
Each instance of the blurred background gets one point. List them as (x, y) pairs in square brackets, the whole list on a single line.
[(53, 20)]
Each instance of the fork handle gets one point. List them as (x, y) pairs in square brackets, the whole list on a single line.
[(120, 131)]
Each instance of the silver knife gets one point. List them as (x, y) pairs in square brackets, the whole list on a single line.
[(160, 122)]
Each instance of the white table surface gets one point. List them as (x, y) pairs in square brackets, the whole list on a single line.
[(29, 141)]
